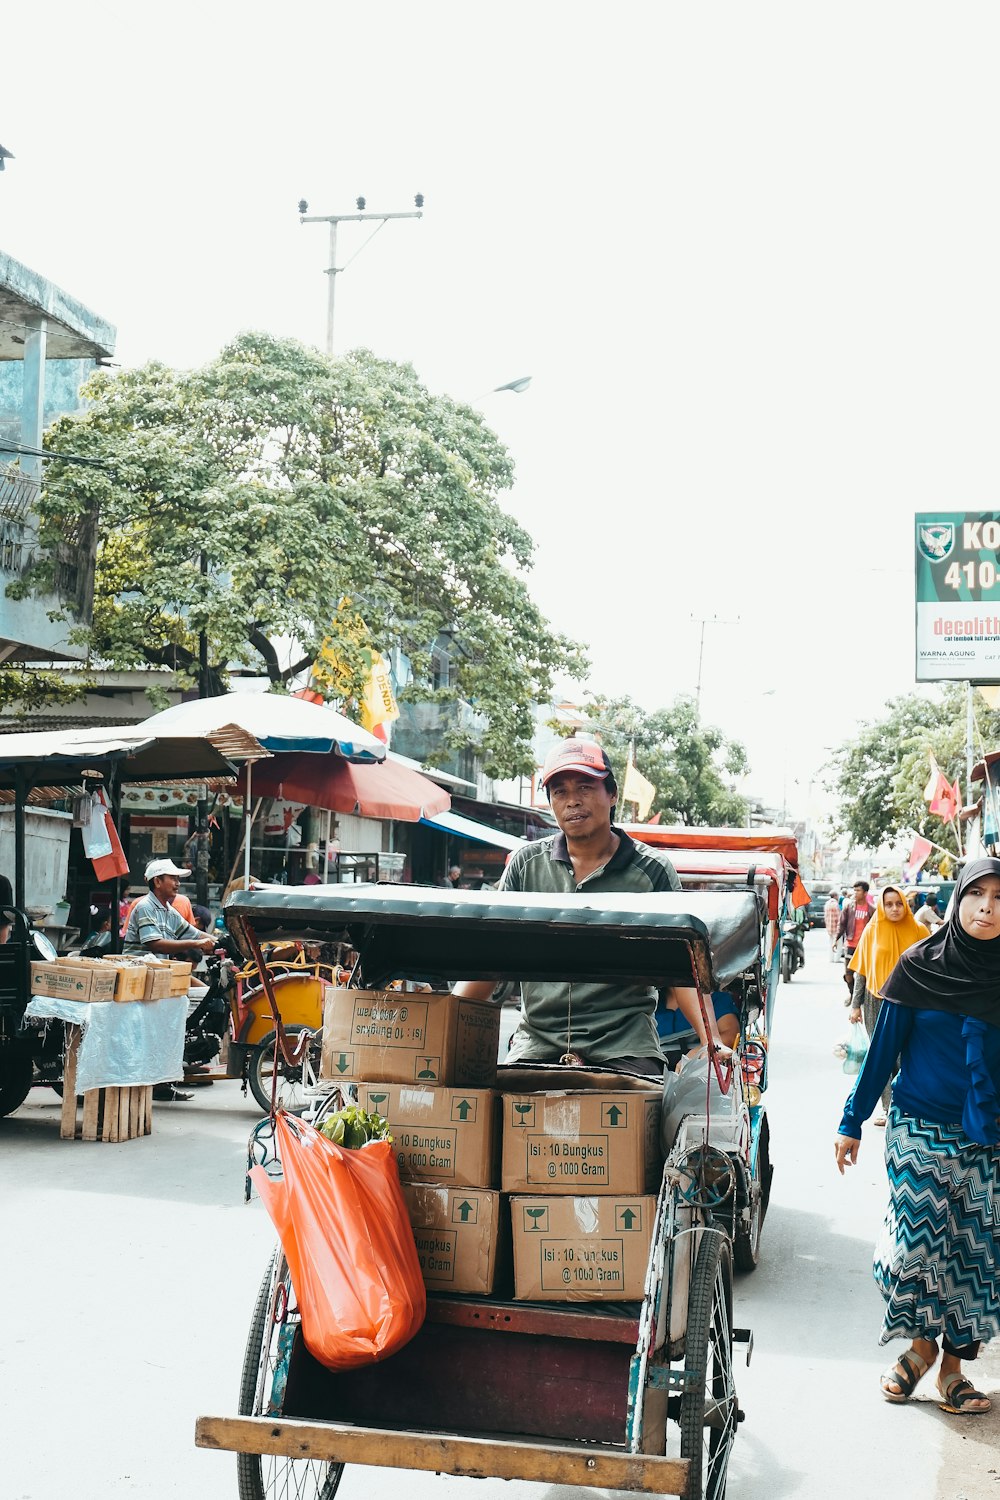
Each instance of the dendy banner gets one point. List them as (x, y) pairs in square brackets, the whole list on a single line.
[(958, 596)]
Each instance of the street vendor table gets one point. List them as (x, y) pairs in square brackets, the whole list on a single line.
[(115, 1052)]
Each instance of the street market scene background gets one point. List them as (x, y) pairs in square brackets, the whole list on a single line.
[(484, 376)]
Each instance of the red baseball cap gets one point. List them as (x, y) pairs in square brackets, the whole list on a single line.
[(576, 755)]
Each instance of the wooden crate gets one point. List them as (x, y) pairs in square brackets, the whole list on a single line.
[(121, 1114)]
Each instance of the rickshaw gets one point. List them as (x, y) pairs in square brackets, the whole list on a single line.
[(298, 984), (766, 860), (634, 1396)]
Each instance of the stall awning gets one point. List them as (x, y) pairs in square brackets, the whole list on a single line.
[(387, 791), (467, 828)]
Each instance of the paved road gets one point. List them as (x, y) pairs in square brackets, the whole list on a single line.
[(130, 1272)]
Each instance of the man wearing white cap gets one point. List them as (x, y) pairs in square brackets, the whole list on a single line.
[(600, 1023), (154, 924)]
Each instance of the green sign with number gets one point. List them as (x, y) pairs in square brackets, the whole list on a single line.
[(958, 596)]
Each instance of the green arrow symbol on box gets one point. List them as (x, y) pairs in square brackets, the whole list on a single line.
[(464, 1107), (464, 1210), (628, 1218), (342, 1063), (614, 1115)]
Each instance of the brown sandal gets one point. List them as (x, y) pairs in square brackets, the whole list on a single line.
[(958, 1392), (908, 1370)]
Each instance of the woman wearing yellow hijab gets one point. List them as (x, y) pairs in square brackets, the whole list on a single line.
[(890, 932)]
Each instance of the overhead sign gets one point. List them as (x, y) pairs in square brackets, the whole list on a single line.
[(958, 596)]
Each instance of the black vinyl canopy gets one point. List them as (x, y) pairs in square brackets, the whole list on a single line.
[(407, 932)]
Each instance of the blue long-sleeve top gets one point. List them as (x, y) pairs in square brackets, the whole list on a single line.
[(949, 1071)]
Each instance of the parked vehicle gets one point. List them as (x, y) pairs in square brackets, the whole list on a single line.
[(793, 948), (23, 1050), (618, 1395)]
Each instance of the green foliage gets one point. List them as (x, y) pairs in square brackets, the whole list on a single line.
[(688, 762), (354, 1127), (244, 500), (24, 689), (881, 773)]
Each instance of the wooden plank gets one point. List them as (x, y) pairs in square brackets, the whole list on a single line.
[(476, 1458), (91, 1108), (67, 1116), (111, 1114), (125, 1132), (147, 1111), (620, 1326), (135, 1099)]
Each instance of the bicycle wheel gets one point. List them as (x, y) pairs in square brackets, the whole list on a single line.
[(273, 1327), (293, 1082), (709, 1410)]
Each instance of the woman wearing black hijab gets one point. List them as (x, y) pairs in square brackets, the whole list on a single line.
[(937, 1260)]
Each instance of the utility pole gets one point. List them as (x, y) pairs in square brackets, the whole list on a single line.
[(333, 271), (708, 620)]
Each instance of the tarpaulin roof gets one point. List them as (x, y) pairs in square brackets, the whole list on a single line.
[(388, 790), (279, 722), (468, 828), (59, 757), (405, 931)]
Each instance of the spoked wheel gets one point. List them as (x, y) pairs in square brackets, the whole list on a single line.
[(746, 1243), (294, 1083), (262, 1393), (709, 1410)]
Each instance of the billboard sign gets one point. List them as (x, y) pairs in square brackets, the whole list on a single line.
[(958, 596)]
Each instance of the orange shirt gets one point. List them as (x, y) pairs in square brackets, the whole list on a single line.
[(180, 904)]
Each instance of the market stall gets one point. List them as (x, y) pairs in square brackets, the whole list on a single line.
[(55, 766)]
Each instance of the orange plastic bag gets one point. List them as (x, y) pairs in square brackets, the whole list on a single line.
[(347, 1238)]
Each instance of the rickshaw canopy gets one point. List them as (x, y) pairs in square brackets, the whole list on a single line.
[(405, 932), (764, 839)]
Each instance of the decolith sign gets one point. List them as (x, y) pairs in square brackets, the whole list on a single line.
[(958, 596)]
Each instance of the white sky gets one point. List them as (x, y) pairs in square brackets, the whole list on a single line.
[(748, 255)]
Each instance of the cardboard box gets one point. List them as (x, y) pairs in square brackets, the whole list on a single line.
[(76, 979), (157, 980), (180, 977), (439, 1134), (592, 1249), (582, 1142), (456, 1231), (153, 981), (130, 979), (403, 1037)]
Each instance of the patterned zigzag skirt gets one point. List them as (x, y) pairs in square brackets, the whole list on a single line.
[(937, 1260)]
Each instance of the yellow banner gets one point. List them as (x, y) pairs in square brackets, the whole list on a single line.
[(378, 706), (638, 790)]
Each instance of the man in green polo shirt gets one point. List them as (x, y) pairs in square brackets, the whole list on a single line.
[(611, 1025)]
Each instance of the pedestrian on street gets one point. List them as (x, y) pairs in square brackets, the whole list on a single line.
[(853, 920), (929, 915), (887, 936), (831, 921), (937, 1260)]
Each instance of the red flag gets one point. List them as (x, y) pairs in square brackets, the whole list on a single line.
[(918, 854), (956, 793), (943, 803)]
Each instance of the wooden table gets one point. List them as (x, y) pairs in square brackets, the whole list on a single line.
[(111, 1114)]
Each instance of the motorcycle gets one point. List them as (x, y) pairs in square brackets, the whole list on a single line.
[(793, 948)]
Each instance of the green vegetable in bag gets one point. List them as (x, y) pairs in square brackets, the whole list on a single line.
[(354, 1127)]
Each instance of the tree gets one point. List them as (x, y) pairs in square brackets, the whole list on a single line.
[(242, 502), (881, 773), (687, 761)]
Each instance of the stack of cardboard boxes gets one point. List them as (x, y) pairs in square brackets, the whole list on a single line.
[(577, 1168), (426, 1062), (582, 1168), (117, 978)]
